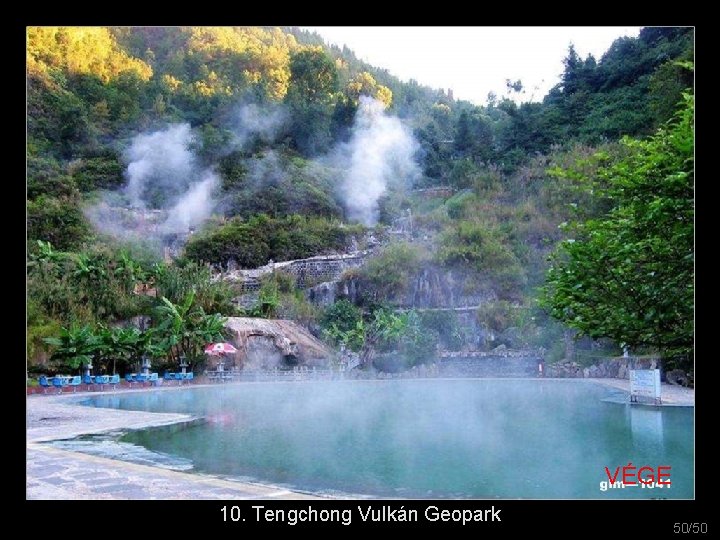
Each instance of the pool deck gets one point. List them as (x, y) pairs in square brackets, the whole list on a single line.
[(53, 473), (671, 395)]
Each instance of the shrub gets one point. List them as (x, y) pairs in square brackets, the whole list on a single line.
[(254, 242), (445, 325), (486, 251), (343, 314), (389, 274)]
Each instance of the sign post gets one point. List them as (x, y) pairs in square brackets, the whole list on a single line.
[(645, 384)]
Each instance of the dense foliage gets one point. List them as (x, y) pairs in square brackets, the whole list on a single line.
[(89, 298), (629, 274), (255, 242), (512, 173)]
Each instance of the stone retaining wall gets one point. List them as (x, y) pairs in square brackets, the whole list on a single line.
[(307, 272), (490, 366), (611, 368)]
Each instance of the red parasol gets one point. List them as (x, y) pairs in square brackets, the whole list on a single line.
[(217, 349)]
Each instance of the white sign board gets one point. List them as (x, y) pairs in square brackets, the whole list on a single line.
[(645, 383)]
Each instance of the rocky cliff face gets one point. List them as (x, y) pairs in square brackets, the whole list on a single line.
[(430, 287), (274, 343)]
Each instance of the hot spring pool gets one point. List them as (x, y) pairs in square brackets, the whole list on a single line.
[(471, 438)]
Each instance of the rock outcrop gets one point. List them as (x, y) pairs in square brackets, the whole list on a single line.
[(274, 343), (677, 377)]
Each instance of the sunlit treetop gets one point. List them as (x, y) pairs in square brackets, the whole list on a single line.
[(365, 84), (85, 50)]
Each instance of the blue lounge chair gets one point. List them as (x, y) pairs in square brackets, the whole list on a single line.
[(58, 383), (114, 380), (102, 380), (88, 380), (141, 378), (153, 379), (189, 376), (75, 382), (169, 376), (43, 381)]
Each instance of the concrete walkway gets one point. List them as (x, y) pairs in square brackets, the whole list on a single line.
[(670, 394), (53, 473)]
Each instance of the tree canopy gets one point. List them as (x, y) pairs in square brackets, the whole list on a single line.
[(629, 274)]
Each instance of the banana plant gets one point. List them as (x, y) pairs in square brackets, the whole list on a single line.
[(121, 344), (184, 329), (75, 346), (46, 257)]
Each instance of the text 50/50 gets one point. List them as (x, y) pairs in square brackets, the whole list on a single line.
[(233, 513), (688, 528)]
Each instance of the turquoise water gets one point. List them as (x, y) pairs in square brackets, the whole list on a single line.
[(487, 438)]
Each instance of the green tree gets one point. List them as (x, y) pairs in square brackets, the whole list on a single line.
[(311, 96), (313, 76), (59, 221), (175, 282), (667, 85), (418, 342), (629, 275), (75, 346), (120, 345), (364, 84), (183, 329), (343, 314), (381, 329), (384, 327)]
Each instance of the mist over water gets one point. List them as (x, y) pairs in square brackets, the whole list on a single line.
[(422, 438)]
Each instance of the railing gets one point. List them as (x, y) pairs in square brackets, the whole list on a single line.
[(297, 374), (507, 353)]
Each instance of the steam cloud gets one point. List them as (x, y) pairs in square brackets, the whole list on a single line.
[(167, 189), (163, 172), (380, 152), (159, 159), (170, 192), (193, 207), (254, 121)]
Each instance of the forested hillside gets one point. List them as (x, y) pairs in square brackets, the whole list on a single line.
[(236, 146)]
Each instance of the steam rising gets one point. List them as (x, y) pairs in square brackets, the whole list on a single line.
[(380, 152), (193, 207), (169, 191), (163, 172), (159, 159), (254, 121)]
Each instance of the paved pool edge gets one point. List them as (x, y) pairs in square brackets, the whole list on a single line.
[(53, 473)]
